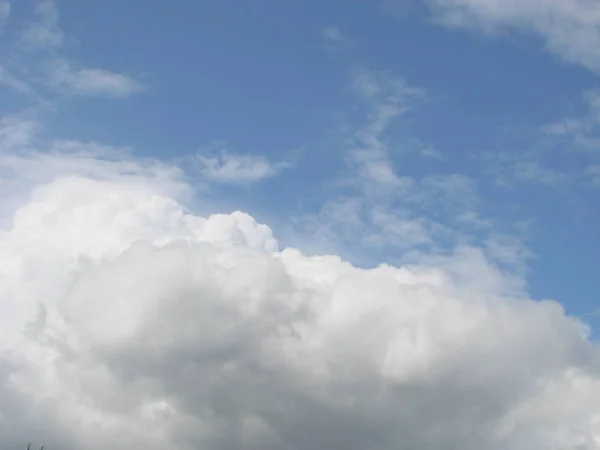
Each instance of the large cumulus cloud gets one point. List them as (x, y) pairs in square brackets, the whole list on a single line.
[(126, 320)]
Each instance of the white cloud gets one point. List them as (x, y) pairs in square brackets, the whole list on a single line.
[(16, 132), (89, 160), (127, 320), (354, 214), (529, 166), (44, 32), (23, 166), (376, 209), (592, 97), (582, 132), (386, 99), (449, 188), (334, 37), (569, 28), (15, 83), (92, 82), (120, 311), (397, 231), (563, 127), (39, 63), (431, 153), (593, 173), (232, 168), (532, 171), (579, 133), (4, 13), (334, 34)]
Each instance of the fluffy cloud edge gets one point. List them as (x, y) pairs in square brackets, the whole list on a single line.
[(116, 300)]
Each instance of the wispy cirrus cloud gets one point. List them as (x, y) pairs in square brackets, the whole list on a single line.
[(91, 82), (386, 98), (334, 38), (227, 167), (510, 169), (532, 171), (593, 174), (431, 153), (578, 136), (374, 206), (42, 65), (15, 83), (354, 215), (570, 29), (44, 31), (333, 33), (17, 132), (580, 132), (4, 13)]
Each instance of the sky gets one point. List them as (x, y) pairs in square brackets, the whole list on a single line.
[(301, 224)]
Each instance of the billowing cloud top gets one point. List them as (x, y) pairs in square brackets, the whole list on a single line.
[(127, 321)]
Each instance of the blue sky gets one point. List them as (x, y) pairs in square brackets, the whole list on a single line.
[(382, 131)]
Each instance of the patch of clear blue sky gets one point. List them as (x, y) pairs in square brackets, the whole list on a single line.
[(258, 75)]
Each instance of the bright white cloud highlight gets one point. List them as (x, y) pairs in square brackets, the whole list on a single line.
[(128, 321), (569, 28)]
